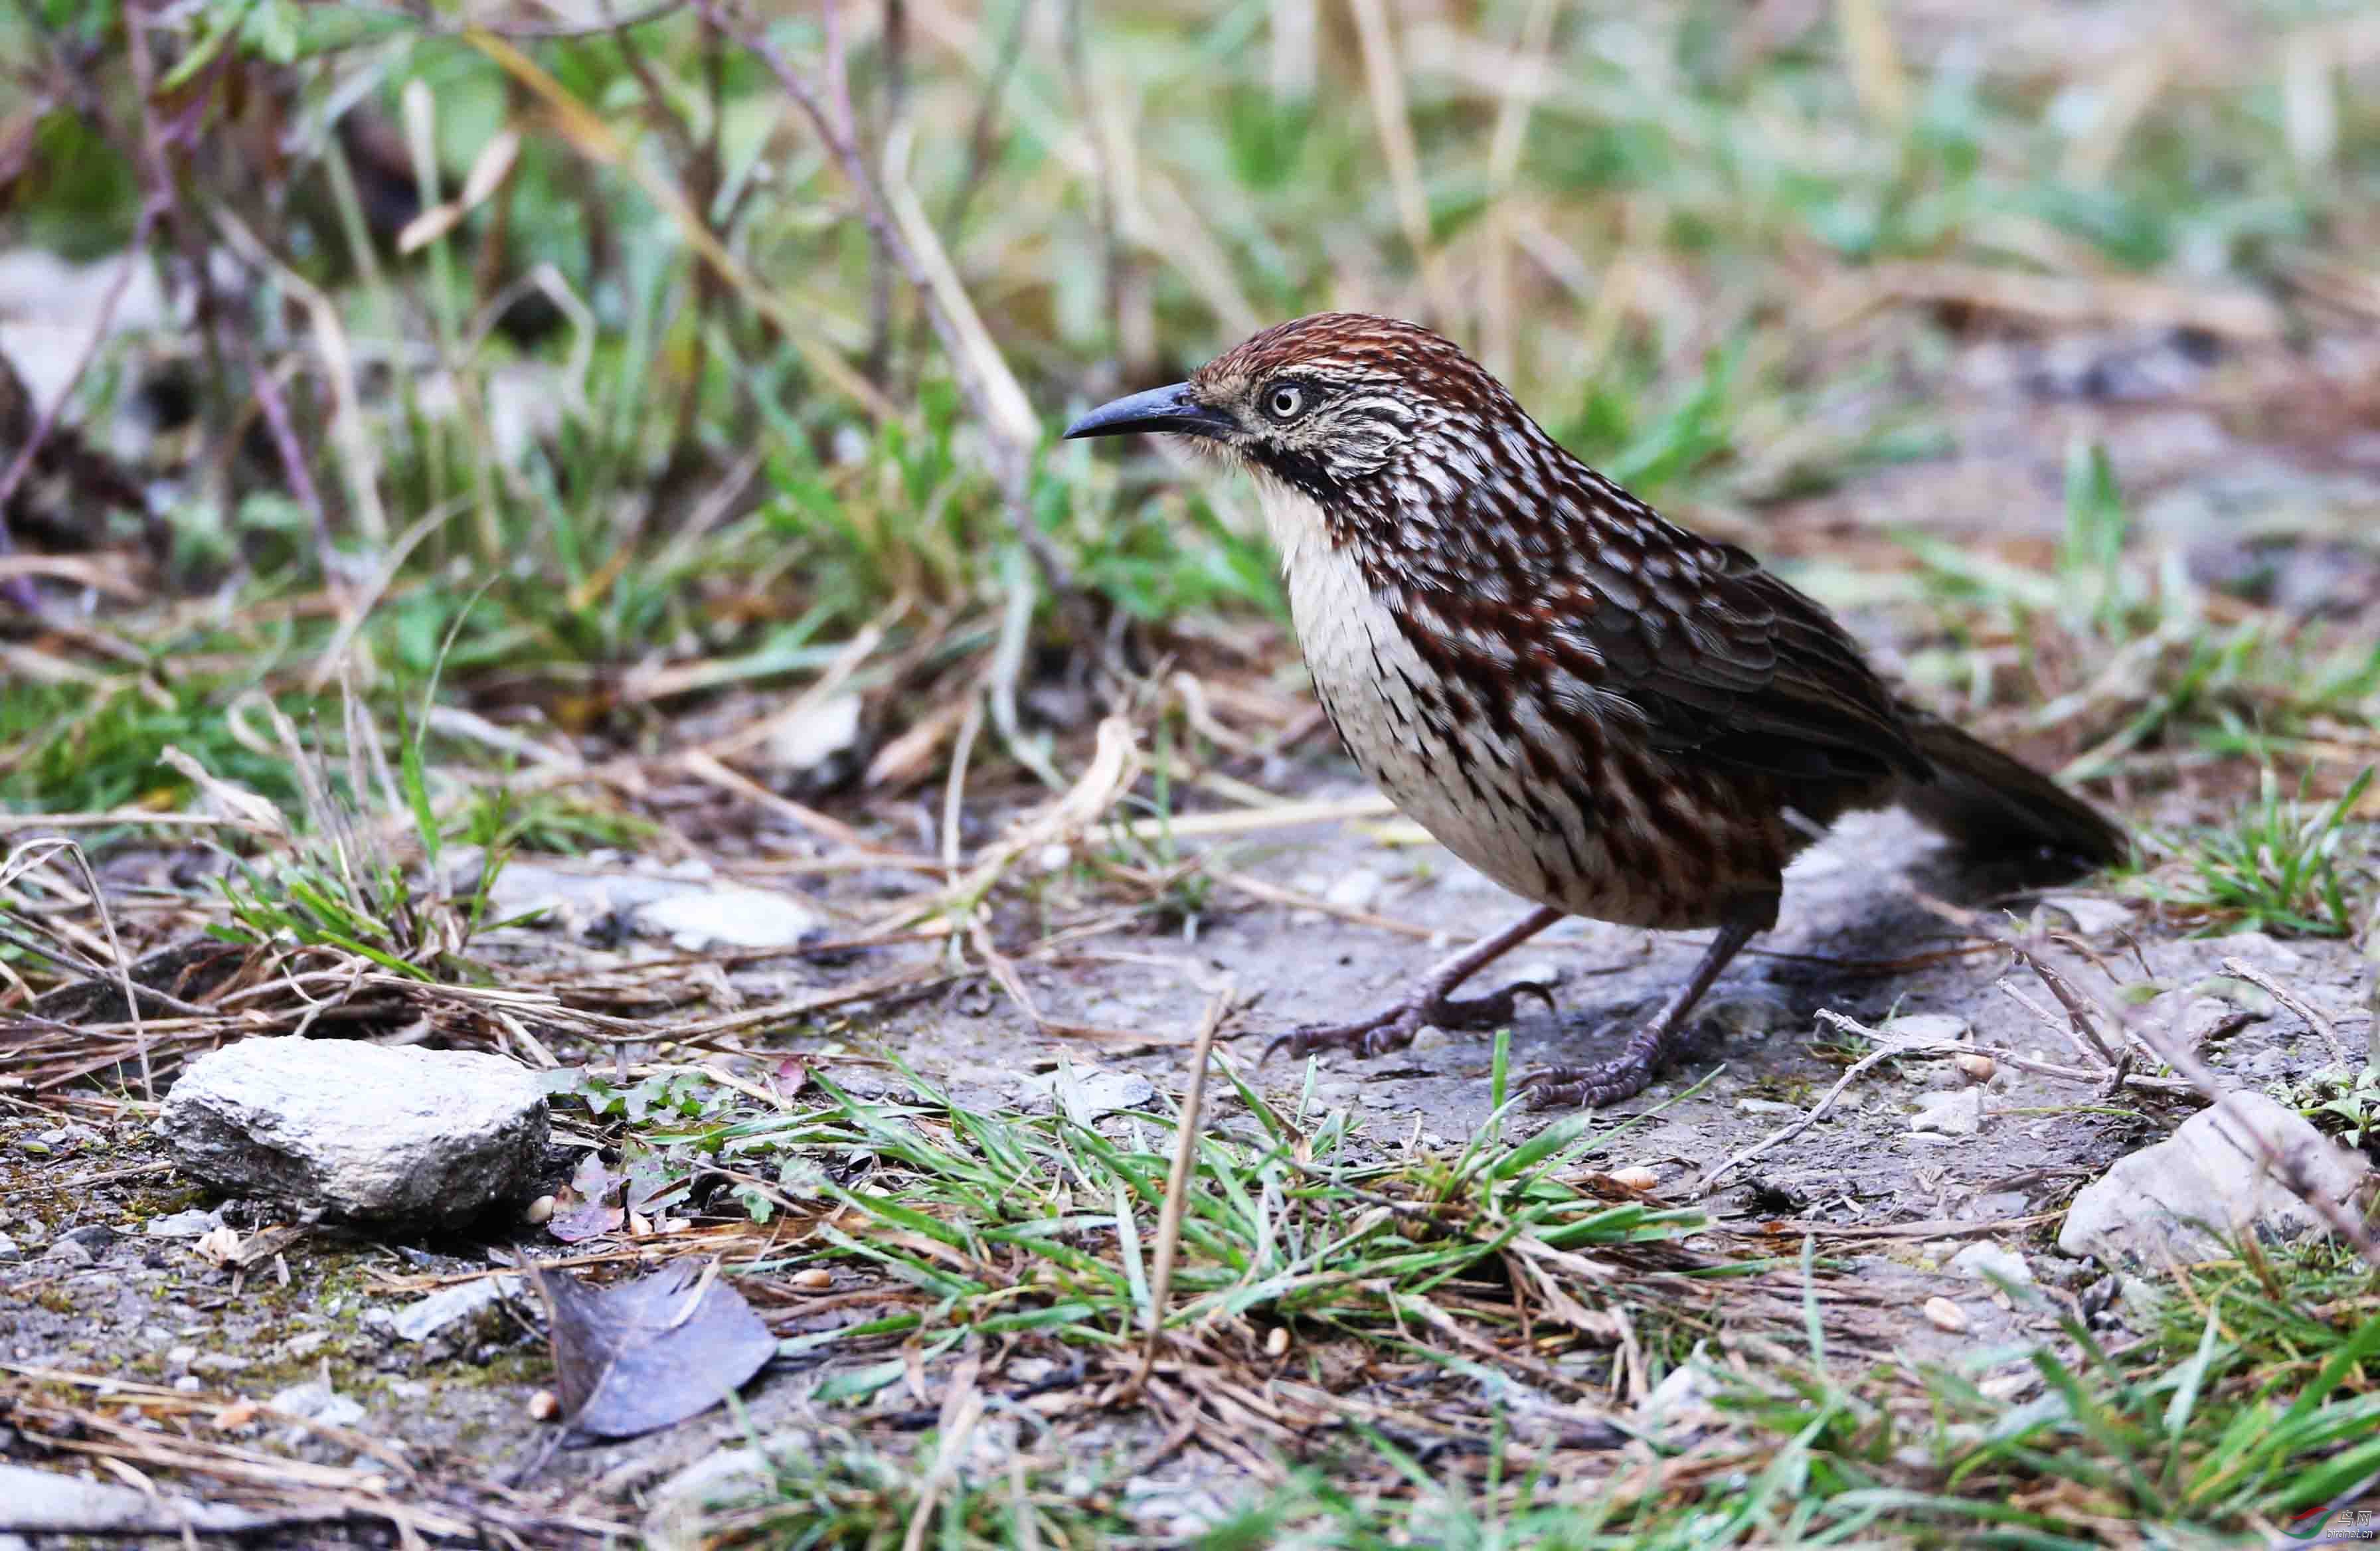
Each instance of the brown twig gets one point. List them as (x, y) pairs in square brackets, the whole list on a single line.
[(1177, 1186), (1885, 1050), (2295, 1004)]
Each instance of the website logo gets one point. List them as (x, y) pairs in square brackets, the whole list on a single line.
[(2332, 1526)]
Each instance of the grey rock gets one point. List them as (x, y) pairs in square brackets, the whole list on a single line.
[(70, 1253), (2091, 915), (361, 1132), (192, 1224), (2208, 1181), (92, 1236), (420, 1320), (48, 1502), (2202, 1016), (9, 1249)]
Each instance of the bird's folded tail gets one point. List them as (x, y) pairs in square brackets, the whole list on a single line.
[(1996, 806)]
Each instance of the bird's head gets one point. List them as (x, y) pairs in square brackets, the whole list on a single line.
[(1324, 403)]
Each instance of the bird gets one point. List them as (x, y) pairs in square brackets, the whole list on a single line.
[(1607, 715)]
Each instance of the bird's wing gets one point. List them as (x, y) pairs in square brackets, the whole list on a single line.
[(1722, 659)]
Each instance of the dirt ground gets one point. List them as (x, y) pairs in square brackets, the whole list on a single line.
[(151, 1311)]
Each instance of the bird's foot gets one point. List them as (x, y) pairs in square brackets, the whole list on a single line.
[(1393, 1027), (1587, 1087)]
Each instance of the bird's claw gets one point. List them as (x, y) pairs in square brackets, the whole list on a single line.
[(1591, 1087), (1392, 1028)]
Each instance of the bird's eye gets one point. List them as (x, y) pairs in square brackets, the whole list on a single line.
[(1284, 402)]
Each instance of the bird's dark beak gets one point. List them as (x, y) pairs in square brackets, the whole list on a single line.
[(1174, 408)]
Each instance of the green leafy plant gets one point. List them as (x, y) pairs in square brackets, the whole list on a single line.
[(2279, 865)]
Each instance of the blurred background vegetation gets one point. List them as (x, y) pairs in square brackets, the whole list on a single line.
[(617, 371)]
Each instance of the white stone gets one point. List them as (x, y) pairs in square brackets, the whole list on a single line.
[(1986, 1260), (1356, 889), (2092, 915), (806, 745), (561, 897), (1681, 1404), (192, 1224), (1086, 1093), (2257, 949), (357, 1131), (730, 919), (316, 1401), (1927, 1028), (1957, 1113), (2208, 1180)]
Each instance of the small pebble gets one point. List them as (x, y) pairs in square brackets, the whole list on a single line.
[(1928, 1027), (814, 1279), (180, 1356), (543, 1406), (1979, 1068), (1277, 1340), (540, 1211), (188, 1384), (1943, 1314)]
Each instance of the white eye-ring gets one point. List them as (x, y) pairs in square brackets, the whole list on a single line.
[(1285, 401)]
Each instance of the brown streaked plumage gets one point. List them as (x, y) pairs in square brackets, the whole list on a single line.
[(1601, 712)]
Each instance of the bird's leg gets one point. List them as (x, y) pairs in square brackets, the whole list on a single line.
[(1432, 1001), (1579, 1086)]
